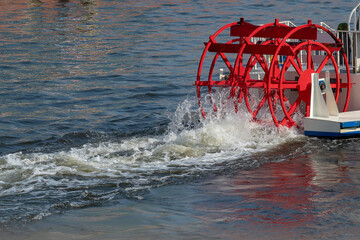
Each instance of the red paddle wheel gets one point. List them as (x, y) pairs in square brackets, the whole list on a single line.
[(268, 69)]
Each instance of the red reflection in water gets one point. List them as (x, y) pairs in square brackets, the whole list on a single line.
[(277, 193), (282, 190)]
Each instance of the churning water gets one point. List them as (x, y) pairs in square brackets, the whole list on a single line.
[(99, 171), (98, 108)]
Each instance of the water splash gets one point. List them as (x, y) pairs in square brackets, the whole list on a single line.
[(98, 172)]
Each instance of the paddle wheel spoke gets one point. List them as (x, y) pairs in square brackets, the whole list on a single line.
[(288, 84), (261, 104), (323, 63), (299, 63), (292, 109), (294, 106), (297, 67), (241, 95), (253, 88), (309, 59), (225, 59), (227, 62), (262, 62)]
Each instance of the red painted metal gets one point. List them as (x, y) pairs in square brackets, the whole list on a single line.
[(278, 83), (249, 49), (278, 31), (250, 45), (303, 84)]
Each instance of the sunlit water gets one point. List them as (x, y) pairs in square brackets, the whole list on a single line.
[(100, 133)]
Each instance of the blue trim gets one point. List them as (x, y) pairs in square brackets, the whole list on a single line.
[(331, 134), (349, 124)]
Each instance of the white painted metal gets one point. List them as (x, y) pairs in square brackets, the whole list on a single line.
[(317, 104), (330, 99), (325, 119)]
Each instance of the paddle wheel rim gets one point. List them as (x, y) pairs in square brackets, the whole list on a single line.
[(255, 83), (274, 80), (236, 76), (243, 80), (212, 39), (255, 45), (303, 85)]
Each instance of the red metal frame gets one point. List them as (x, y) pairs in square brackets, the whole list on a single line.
[(276, 81), (276, 40)]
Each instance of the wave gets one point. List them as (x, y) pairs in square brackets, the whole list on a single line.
[(38, 184)]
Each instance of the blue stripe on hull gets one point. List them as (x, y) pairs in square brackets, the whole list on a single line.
[(350, 124), (331, 134)]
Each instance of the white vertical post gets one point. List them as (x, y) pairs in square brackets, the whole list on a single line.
[(330, 99), (318, 107)]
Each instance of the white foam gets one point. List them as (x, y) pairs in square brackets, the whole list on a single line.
[(221, 137)]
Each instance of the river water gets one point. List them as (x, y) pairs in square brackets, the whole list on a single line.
[(100, 137)]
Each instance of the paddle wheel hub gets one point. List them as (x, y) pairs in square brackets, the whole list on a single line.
[(304, 85)]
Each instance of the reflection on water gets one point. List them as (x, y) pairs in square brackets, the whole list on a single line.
[(278, 193), (288, 199)]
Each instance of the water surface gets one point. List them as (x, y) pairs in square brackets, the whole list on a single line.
[(100, 134)]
